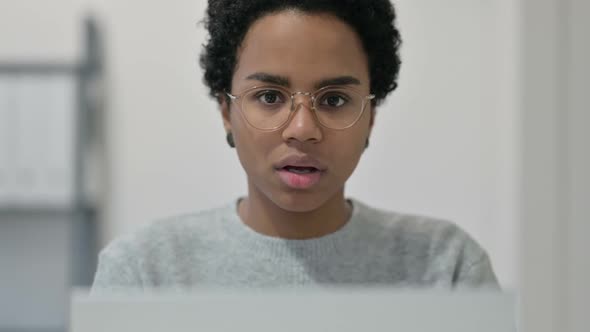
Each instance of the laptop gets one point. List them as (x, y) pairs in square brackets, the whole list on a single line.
[(310, 310)]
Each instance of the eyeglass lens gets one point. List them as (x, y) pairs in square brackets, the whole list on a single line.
[(268, 108)]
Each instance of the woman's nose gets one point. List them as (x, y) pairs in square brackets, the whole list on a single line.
[(303, 125)]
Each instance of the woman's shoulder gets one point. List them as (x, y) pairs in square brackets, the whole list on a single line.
[(153, 252), (427, 241), (171, 231), (409, 225)]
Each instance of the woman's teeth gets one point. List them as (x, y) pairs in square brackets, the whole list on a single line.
[(301, 170)]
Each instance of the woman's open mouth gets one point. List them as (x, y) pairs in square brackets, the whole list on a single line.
[(298, 177)]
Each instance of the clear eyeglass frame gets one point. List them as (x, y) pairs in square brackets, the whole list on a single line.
[(313, 96)]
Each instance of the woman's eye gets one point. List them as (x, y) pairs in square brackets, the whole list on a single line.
[(333, 101), (269, 97)]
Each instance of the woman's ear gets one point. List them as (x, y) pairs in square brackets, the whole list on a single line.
[(372, 120), (371, 123), (224, 108)]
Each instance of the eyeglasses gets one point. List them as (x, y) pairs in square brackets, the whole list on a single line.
[(270, 107)]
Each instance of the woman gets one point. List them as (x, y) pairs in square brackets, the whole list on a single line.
[(298, 83)]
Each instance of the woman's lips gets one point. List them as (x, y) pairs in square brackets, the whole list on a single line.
[(299, 180)]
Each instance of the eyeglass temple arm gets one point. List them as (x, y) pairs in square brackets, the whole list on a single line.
[(226, 95)]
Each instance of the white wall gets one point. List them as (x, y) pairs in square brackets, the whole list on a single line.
[(445, 144), (40, 30)]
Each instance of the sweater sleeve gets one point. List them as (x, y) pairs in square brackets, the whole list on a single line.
[(117, 270), (474, 269), (478, 274)]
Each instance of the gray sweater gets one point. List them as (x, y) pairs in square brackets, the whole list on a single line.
[(215, 249)]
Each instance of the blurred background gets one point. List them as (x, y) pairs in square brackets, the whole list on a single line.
[(105, 125)]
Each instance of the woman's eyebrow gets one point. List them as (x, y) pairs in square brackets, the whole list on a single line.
[(269, 78), (284, 81), (341, 80)]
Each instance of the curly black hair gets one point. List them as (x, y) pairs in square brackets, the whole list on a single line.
[(374, 20)]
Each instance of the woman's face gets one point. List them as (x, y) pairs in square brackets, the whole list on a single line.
[(299, 51)]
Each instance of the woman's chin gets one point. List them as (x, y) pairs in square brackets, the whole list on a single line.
[(299, 202), (294, 200)]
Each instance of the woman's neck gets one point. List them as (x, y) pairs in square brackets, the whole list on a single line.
[(264, 216)]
